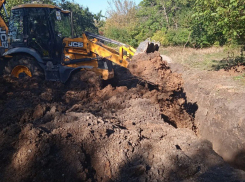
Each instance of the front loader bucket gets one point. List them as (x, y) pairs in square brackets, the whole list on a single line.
[(147, 46)]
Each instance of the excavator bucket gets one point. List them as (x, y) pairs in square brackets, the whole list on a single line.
[(147, 46)]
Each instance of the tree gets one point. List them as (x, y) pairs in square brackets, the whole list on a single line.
[(121, 13), (83, 19), (121, 21), (10, 4), (224, 19), (170, 19), (99, 20)]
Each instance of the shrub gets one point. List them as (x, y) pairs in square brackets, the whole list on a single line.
[(160, 36)]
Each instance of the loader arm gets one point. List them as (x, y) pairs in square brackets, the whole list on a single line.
[(91, 52), (121, 57), (105, 52), (85, 51)]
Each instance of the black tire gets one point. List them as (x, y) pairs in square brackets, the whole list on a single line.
[(25, 61)]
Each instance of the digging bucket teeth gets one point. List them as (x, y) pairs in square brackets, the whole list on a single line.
[(147, 46)]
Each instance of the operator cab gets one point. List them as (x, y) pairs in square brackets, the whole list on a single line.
[(41, 27)]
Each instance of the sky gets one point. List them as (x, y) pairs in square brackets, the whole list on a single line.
[(96, 5)]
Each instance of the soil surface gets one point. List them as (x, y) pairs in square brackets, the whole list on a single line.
[(219, 96), (125, 129)]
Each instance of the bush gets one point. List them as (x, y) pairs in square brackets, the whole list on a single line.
[(161, 37), (178, 37), (172, 37), (121, 35)]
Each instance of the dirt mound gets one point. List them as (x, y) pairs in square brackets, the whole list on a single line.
[(151, 68), (169, 93), (87, 131)]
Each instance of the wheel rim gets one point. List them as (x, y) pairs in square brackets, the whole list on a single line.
[(20, 69)]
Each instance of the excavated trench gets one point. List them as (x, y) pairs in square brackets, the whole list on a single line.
[(220, 114), (125, 129)]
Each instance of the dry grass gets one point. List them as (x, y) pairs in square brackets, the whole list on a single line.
[(207, 59)]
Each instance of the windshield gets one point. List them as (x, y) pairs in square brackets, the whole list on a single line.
[(62, 24)]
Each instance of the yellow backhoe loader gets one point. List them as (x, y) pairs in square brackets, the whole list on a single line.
[(38, 40)]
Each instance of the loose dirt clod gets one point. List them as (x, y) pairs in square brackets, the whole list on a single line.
[(87, 131)]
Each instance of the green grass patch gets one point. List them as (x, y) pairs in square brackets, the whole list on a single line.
[(212, 59)]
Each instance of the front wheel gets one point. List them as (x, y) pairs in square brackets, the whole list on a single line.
[(22, 66)]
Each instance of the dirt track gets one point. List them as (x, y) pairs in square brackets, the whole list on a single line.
[(87, 131)]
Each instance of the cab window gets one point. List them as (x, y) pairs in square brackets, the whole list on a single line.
[(16, 25), (62, 24), (38, 31)]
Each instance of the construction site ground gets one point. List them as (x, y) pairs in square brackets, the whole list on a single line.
[(125, 129), (220, 114)]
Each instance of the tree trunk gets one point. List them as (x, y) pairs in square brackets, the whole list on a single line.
[(166, 15)]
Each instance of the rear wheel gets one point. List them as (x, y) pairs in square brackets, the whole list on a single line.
[(22, 66)]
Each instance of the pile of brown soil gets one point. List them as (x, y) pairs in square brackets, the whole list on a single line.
[(169, 93), (82, 131), (151, 68)]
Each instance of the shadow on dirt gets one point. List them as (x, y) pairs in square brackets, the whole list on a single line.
[(123, 77), (239, 160), (39, 155), (183, 167), (191, 108), (2, 66), (227, 64), (9, 137), (43, 138), (72, 132), (230, 62)]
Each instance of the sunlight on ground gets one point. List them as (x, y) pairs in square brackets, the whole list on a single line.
[(213, 58)]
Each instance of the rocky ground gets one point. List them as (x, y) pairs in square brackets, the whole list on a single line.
[(127, 129)]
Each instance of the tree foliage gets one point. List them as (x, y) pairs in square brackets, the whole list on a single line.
[(83, 19), (171, 17), (197, 23), (12, 3), (121, 21), (223, 19)]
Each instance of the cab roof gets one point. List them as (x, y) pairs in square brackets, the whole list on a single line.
[(40, 6)]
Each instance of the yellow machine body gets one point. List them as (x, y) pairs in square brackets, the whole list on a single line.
[(85, 52), (90, 49)]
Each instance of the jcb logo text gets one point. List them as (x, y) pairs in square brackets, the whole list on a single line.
[(75, 44)]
